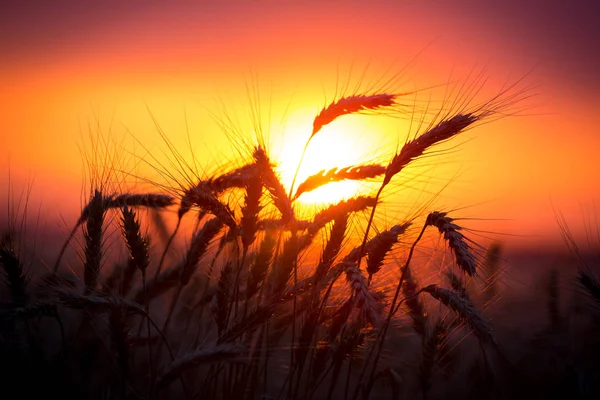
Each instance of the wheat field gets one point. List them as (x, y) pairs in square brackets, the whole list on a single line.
[(264, 302)]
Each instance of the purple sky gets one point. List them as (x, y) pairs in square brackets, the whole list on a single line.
[(563, 35)]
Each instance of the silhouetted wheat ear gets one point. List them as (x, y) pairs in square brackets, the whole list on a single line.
[(457, 284), (236, 178), (590, 283), (332, 248), (136, 242), (311, 320), (465, 309), (359, 172), (93, 242), (365, 299), (372, 245), (220, 303), (13, 270), (150, 200), (272, 183), (353, 205), (219, 353), (351, 105), (456, 240), (284, 264), (323, 217), (416, 147), (204, 198), (381, 245), (430, 349), (250, 211), (261, 263)]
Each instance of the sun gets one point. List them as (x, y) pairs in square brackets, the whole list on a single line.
[(336, 146)]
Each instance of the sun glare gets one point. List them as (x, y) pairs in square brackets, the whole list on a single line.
[(336, 146)]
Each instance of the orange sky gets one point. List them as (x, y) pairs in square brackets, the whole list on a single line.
[(67, 67)]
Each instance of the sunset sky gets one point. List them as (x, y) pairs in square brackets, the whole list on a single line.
[(71, 68)]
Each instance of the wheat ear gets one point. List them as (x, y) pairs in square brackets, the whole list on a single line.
[(359, 172), (344, 106), (149, 200), (272, 183), (456, 240), (465, 309), (13, 269), (351, 105), (93, 243)]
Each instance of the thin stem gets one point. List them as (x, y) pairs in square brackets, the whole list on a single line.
[(298, 169), (64, 247), (150, 380), (364, 242), (164, 254), (291, 387)]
